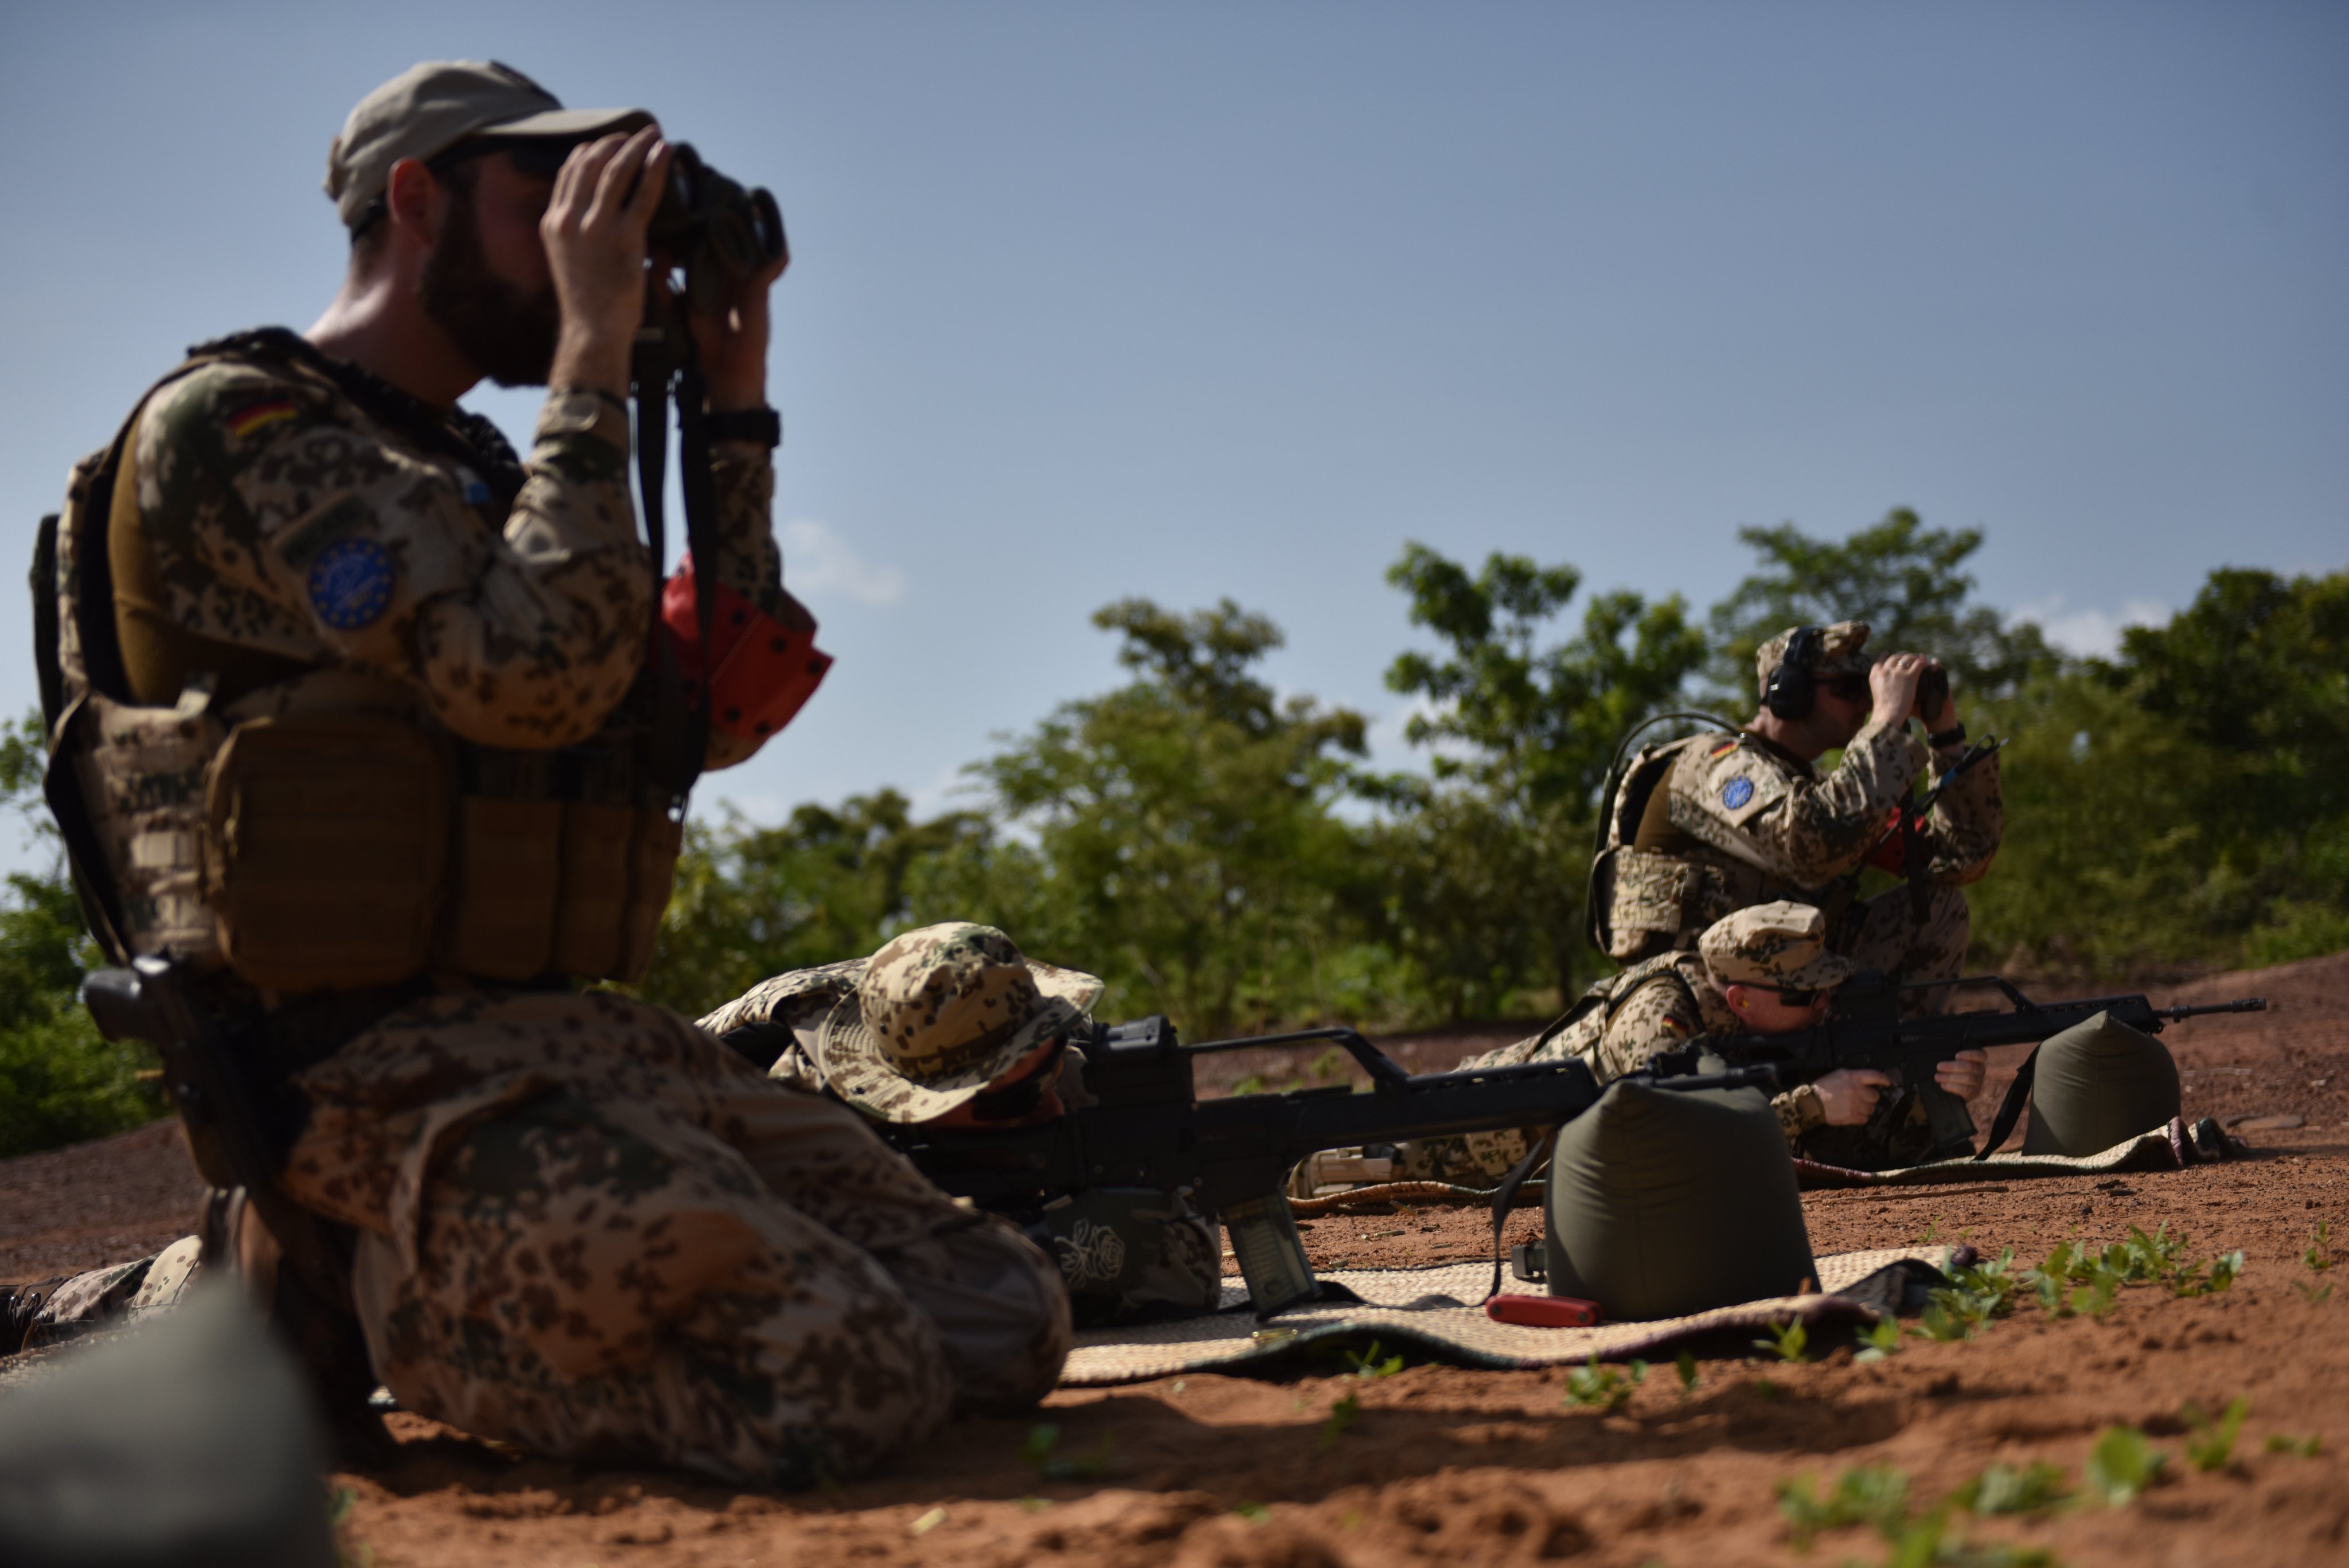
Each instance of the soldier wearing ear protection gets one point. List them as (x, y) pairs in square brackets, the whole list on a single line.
[(1719, 822)]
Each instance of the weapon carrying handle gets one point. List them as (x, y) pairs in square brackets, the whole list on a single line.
[(1385, 1073)]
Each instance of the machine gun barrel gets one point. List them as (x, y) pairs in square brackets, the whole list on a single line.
[(1865, 1031), (1148, 1129)]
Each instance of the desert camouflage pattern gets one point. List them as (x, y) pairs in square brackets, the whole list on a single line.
[(589, 1229), (1777, 944), (1842, 651), (1769, 829), (506, 603), (1655, 1005), (116, 1295), (937, 1015)]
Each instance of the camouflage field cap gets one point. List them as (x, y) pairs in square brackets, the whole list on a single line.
[(1780, 944), (432, 107), (937, 1013), (1841, 652)]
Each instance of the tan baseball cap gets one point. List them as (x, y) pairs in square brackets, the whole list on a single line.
[(432, 107), (1842, 651), (1781, 944), (937, 1014)]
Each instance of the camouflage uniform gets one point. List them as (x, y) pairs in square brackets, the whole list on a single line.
[(1745, 822), (63, 1309), (1122, 1253), (1655, 1005), (582, 1226)]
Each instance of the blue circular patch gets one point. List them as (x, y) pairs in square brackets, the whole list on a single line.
[(350, 582), (1737, 792)]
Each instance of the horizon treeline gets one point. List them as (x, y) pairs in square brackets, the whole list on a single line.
[(1228, 858)]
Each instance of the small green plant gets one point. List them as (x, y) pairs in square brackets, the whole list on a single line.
[(1253, 1084), (2002, 1489), (1343, 1416), (1034, 1504), (1037, 1454), (1367, 1366), (1880, 1497), (1881, 1343), (1876, 1495), (2212, 1443), (1254, 1512), (1787, 1340), (1932, 1231), (1329, 1067), (2123, 1464), (1685, 1364), (2319, 1256), (1593, 1386), (2310, 1292), (2306, 1447), (1765, 1389)]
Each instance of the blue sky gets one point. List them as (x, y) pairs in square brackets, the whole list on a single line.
[(1188, 301)]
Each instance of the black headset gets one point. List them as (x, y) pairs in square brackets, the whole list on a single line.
[(1793, 686)]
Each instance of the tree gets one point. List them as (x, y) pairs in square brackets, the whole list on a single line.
[(1906, 581), (829, 884), (59, 1082), (1493, 854), (1173, 835)]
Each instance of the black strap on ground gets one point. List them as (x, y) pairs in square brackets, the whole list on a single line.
[(1505, 1195), (2009, 1109)]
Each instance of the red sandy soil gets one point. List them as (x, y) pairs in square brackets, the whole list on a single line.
[(1476, 1466)]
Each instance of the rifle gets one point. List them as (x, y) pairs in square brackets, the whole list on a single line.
[(1866, 1030), (1148, 1129)]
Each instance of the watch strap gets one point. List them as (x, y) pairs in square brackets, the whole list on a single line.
[(762, 426)]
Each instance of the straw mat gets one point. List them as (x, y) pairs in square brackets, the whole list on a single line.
[(1438, 1310)]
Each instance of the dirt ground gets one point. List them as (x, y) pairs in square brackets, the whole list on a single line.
[(1441, 1463)]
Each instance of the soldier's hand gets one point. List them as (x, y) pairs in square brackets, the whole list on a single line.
[(1893, 683), (733, 341), (594, 231), (1962, 1074), (1849, 1095)]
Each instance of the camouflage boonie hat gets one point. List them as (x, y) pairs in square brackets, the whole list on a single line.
[(1780, 944), (1840, 652), (432, 107), (937, 1014)]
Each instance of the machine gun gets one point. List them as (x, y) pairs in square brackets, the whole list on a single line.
[(1231, 1157), (1866, 1030)]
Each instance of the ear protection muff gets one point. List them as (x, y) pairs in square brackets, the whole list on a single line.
[(1794, 685)]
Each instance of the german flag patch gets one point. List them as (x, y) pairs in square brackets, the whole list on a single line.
[(260, 416), (1722, 749)]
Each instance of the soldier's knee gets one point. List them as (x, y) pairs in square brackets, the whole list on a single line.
[(1001, 1311)]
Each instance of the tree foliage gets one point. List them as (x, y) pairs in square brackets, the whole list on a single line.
[(1906, 581), (59, 1082)]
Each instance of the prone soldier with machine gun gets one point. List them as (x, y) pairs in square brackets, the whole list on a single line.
[(1141, 1132)]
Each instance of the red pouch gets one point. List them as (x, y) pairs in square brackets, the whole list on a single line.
[(1887, 855), (760, 671), (1542, 1312)]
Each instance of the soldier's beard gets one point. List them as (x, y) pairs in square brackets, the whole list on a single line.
[(506, 332)]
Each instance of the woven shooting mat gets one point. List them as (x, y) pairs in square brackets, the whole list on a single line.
[(2163, 1148), (1229, 1339)]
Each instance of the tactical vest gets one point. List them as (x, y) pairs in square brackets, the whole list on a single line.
[(1579, 1029), (322, 831), (1641, 902)]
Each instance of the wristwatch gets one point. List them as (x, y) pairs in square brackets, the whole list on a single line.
[(760, 426), (1949, 737)]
